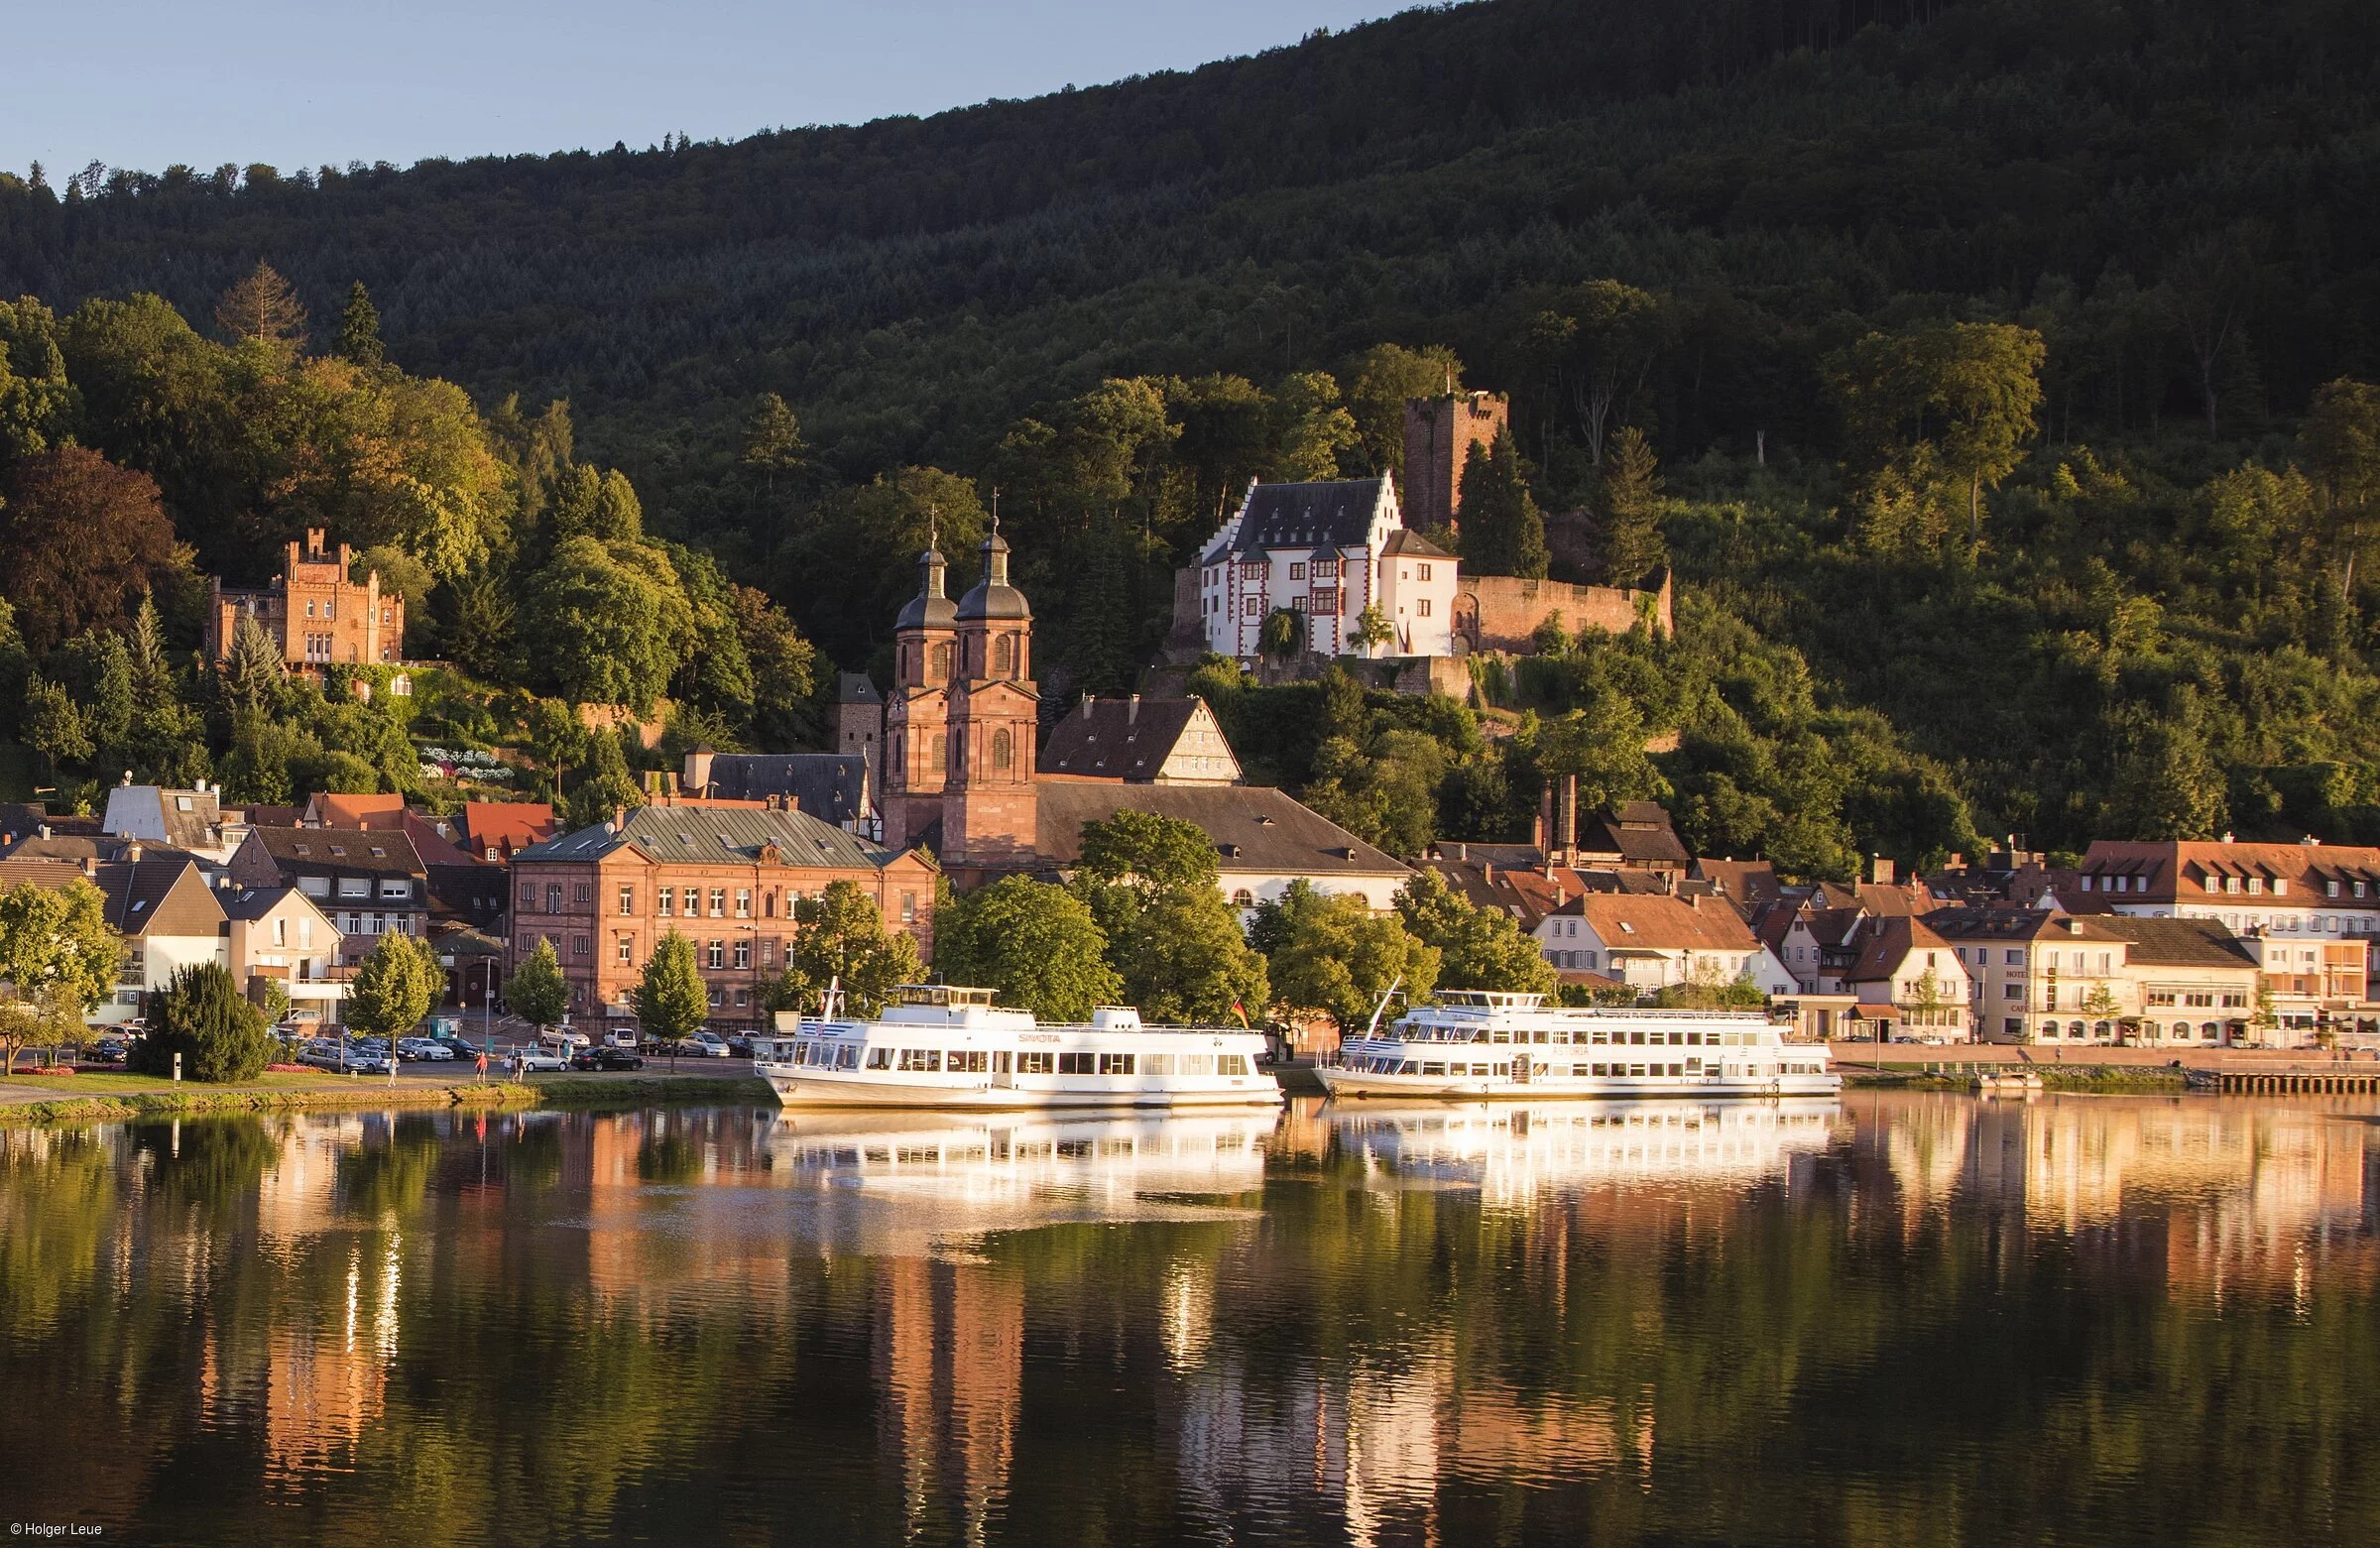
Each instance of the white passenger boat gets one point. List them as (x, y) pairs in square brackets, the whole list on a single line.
[(942, 1046), (1478, 1043)]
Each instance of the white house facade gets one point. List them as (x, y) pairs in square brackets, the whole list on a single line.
[(1326, 551)]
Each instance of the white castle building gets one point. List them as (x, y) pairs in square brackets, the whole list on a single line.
[(1328, 551)]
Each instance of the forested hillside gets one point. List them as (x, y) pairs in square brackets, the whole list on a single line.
[(1742, 230)]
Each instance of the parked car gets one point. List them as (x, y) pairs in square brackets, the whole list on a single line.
[(709, 1045), (369, 1061), (605, 1059), (424, 1048), (110, 1050), (562, 1041), (457, 1047), (529, 1060), (740, 1045)]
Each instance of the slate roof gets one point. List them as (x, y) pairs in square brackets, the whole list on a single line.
[(831, 787), (856, 689), (2178, 943), (1117, 739), (76, 848), (474, 893), (2017, 922), (1407, 543), (1255, 828), (1887, 942), (1337, 514), (160, 897), (1639, 833), (254, 903), (184, 819), (1748, 883), (337, 852), (19, 819), (677, 834)]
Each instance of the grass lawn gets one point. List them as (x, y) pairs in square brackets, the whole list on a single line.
[(112, 1083)]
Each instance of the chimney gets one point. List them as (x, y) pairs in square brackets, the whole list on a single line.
[(132, 852), (1088, 701), (1566, 818), (1879, 870), (1131, 710), (698, 770), (90, 865), (42, 830), (2227, 835)]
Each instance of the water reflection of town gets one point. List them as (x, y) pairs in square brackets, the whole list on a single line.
[(1390, 1397)]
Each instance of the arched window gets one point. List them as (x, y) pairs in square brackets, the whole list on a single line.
[(2181, 1028), (1244, 898), (2100, 1030), (896, 760), (1003, 655), (2209, 1031), (1004, 749), (941, 665), (2049, 1028)]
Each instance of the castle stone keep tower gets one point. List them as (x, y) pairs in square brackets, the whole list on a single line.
[(990, 813), (918, 719), (1438, 436)]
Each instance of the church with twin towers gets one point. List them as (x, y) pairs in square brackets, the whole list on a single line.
[(961, 723)]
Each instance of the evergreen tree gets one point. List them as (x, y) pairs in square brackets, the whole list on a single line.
[(1503, 531), (772, 442), (203, 1015), (1632, 546), (252, 671), (359, 329)]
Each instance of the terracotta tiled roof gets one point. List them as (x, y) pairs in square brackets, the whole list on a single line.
[(1663, 923)]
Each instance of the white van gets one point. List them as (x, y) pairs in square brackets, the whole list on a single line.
[(562, 1041)]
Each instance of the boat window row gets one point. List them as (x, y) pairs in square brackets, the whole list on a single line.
[(1419, 1031), (998, 1062), (826, 1056)]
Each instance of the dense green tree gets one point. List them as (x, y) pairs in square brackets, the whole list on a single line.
[(1184, 960), (1148, 851), (394, 989), (58, 955), (79, 539), (842, 942), (1387, 378), (2342, 437), (202, 1016), (538, 992), (1036, 944), (1503, 531), (1968, 391), (607, 623), (670, 1000), (1339, 959), (1478, 948)]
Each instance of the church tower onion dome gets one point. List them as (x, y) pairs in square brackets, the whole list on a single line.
[(930, 608), (993, 596)]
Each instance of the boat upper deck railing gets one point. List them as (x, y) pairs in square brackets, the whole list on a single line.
[(941, 995), (1474, 1004)]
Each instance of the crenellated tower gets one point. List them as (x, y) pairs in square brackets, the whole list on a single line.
[(918, 717), (989, 807)]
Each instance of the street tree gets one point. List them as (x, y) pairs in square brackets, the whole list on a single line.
[(1478, 948), (843, 939), (57, 949), (670, 1000), (1340, 958), (394, 989), (538, 992)]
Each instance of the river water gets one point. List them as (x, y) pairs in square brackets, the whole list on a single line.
[(1897, 1319)]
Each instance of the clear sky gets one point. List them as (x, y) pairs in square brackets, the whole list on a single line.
[(144, 84)]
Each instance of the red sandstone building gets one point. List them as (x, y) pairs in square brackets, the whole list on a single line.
[(725, 877), (962, 728), (313, 611)]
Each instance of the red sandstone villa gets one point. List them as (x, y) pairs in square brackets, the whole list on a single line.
[(315, 613)]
